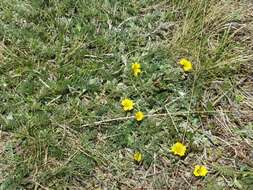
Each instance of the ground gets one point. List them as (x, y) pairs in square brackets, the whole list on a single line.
[(65, 67)]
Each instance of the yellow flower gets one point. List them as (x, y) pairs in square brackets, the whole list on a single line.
[(139, 116), (127, 104), (137, 156), (200, 170), (178, 149), (187, 65), (136, 68)]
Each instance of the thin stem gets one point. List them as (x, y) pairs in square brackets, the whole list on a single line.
[(157, 115)]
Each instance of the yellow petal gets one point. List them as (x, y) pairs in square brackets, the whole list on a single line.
[(187, 65), (196, 170), (178, 149), (136, 72), (200, 171), (137, 156), (183, 61), (136, 66), (127, 104), (139, 116)]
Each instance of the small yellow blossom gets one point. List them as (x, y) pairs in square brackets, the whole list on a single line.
[(137, 156), (178, 149), (200, 170), (127, 104), (139, 116), (136, 68), (187, 65)]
